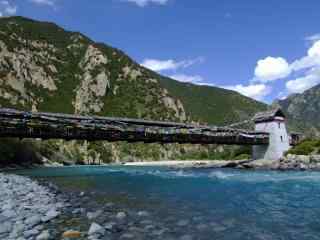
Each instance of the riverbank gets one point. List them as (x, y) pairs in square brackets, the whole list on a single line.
[(290, 162), (41, 210), (122, 202), (188, 164), (26, 208)]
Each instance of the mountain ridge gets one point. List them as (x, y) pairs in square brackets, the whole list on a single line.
[(45, 68), (303, 111), (162, 80)]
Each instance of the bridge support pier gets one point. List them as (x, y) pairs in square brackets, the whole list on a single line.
[(272, 122), (274, 151)]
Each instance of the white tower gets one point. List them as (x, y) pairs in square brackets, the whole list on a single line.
[(274, 123)]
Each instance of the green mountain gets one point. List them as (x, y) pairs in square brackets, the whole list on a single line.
[(45, 68), (303, 111), (213, 105)]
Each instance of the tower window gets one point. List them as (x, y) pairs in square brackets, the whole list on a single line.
[(281, 138), (279, 124)]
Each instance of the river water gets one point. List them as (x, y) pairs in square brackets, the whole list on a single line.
[(203, 204)]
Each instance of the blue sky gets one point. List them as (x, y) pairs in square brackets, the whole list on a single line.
[(263, 49)]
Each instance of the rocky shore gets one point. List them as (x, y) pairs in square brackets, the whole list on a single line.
[(26, 208), (34, 210), (37, 209), (290, 162)]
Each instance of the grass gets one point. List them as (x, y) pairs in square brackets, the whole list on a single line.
[(306, 147)]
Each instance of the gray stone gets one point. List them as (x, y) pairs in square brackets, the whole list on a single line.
[(303, 166), (158, 232), (315, 158), (18, 228), (96, 229), (77, 211), (304, 159), (121, 215), (143, 214), (201, 227), (262, 164), (127, 236), (149, 227), (43, 236), (197, 218), (13, 235), (33, 221), (109, 205), (217, 227), (30, 233), (51, 214), (7, 206), (183, 223), (9, 213), (110, 226), (186, 237), (146, 222), (23, 203), (93, 215), (5, 227)]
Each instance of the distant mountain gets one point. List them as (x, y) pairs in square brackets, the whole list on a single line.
[(45, 68), (303, 111)]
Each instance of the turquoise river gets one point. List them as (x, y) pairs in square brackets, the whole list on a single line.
[(201, 203)]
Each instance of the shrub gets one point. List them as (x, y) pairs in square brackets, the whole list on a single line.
[(304, 148), (317, 143), (242, 157), (13, 151)]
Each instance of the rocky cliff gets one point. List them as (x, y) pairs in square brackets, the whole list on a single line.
[(303, 111), (45, 68)]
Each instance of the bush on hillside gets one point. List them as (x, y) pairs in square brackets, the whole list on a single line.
[(243, 157), (306, 147)]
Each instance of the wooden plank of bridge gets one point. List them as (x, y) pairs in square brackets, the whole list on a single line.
[(56, 126)]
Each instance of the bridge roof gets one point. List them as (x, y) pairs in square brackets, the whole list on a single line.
[(14, 123), (269, 115), (61, 117)]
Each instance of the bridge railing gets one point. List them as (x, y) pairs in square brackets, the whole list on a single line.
[(15, 123)]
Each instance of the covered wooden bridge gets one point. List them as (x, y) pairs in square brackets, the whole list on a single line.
[(21, 124)]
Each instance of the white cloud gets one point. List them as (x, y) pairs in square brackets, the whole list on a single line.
[(309, 65), (143, 3), (305, 63), (196, 79), (299, 85), (270, 69), (313, 38), (7, 8), (309, 61), (166, 65), (160, 65), (44, 2), (314, 51), (256, 91)]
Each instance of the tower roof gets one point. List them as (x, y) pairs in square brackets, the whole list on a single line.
[(269, 115)]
